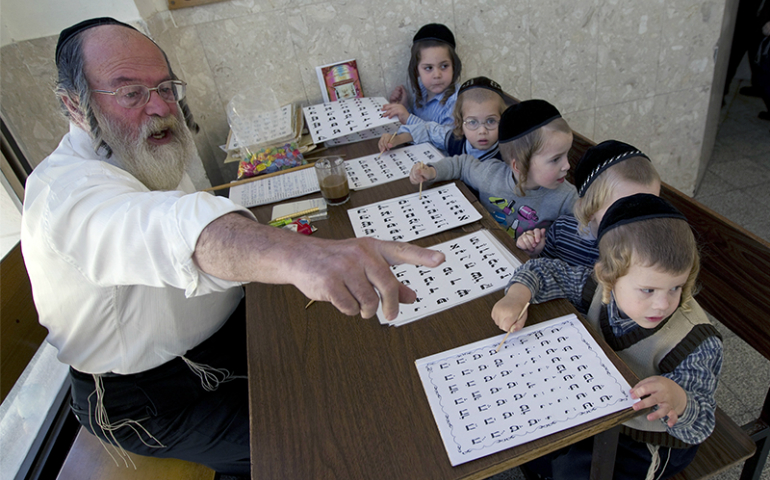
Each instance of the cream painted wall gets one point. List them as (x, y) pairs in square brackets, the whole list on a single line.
[(25, 20), (640, 71)]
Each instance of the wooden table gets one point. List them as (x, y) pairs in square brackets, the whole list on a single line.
[(338, 397)]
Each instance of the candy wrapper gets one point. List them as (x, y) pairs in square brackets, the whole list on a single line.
[(300, 225), (271, 159)]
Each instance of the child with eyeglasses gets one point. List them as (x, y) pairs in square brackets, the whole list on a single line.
[(605, 173), (528, 188), (434, 73), (480, 103), (639, 297)]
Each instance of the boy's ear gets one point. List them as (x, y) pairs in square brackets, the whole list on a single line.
[(515, 166)]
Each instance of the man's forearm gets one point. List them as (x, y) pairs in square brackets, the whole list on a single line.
[(234, 247)]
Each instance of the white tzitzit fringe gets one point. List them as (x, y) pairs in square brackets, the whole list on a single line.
[(108, 429), (654, 462), (211, 377)]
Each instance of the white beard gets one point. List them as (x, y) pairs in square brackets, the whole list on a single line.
[(158, 167)]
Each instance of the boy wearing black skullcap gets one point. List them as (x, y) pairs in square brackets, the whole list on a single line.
[(480, 103), (527, 190), (607, 172), (639, 296)]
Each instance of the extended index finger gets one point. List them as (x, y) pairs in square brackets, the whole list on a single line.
[(396, 253)]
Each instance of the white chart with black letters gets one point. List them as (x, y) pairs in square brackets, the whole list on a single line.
[(376, 169), (408, 217), (327, 121), (375, 132), (547, 377), (476, 265)]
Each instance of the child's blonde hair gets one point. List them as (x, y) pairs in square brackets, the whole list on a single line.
[(667, 244), (522, 149), (639, 170), (476, 95)]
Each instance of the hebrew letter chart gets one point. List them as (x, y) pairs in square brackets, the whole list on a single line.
[(396, 164), (476, 265), (547, 377), (326, 121), (407, 218)]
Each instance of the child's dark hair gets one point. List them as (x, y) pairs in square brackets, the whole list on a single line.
[(414, 75), (477, 95)]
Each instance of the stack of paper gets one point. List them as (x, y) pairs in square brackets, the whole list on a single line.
[(316, 206)]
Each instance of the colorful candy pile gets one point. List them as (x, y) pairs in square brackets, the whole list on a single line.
[(271, 159)]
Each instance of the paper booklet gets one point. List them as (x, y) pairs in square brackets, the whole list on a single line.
[(277, 188), (339, 81)]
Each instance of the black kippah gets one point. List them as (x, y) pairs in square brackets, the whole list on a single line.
[(435, 31), (525, 117), (599, 158), (481, 82), (636, 208), (69, 32)]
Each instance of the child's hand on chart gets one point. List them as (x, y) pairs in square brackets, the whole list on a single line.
[(532, 241), (421, 173), (389, 141), (391, 110), (509, 308), (670, 398)]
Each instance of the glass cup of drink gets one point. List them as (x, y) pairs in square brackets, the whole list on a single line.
[(333, 180)]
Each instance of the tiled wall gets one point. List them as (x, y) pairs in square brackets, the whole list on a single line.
[(637, 71)]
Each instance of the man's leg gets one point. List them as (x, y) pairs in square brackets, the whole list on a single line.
[(166, 412)]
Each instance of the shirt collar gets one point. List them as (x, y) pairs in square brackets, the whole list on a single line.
[(480, 154)]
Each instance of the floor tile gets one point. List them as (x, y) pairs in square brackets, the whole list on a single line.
[(741, 173), (733, 204)]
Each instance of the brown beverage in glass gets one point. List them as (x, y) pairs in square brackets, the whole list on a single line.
[(333, 180)]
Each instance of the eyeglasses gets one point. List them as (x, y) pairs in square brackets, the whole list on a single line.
[(136, 96), (489, 124)]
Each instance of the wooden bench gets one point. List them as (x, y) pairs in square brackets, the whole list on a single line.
[(735, 289), (88, 460)]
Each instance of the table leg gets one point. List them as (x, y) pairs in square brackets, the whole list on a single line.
[(603, 460)]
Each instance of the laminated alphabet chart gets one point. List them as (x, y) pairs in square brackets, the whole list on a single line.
[(327, 121), (547, 377), (408, 218), (377, 132), (393, 165), (476, 265)]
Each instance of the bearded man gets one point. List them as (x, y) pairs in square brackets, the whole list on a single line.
[(138, 278)]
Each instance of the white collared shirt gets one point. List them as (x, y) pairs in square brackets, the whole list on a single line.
[(111, 265)]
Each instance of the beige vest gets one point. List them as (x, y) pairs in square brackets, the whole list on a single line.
[(652, 352)]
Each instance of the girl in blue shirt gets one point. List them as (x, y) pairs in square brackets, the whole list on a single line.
[(434, 71)]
